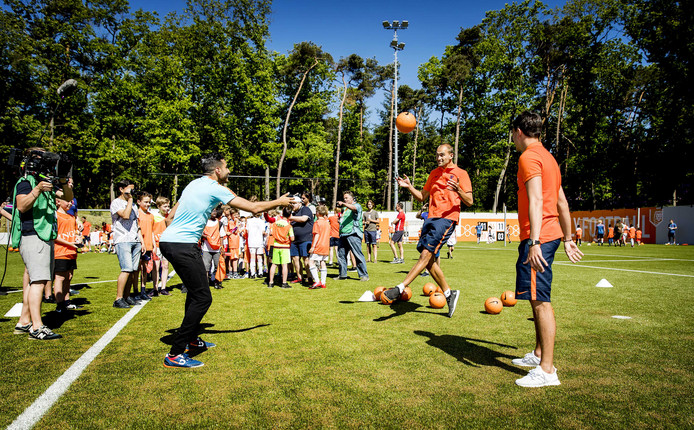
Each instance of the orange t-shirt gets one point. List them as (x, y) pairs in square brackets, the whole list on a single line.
[(67, 231), (638, 234), (158, 229), (610, 232), (321, 237), (86, 228), (537, 161), (445, 203), (334, 226), (283, 233), (579, 233), (233, 234), (632, 233), (146, 221), (212, 236)]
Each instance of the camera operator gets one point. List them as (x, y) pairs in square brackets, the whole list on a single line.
[(34, 227)]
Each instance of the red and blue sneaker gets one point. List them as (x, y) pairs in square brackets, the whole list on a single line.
[(199, 344), (181, 360)]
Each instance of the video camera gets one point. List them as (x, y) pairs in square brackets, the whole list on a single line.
[(45, 165)]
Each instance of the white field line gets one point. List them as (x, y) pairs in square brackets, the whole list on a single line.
[(38, 409), (626, 257), (621, 270)]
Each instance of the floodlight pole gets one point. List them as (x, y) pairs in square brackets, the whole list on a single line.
[(395, 26)]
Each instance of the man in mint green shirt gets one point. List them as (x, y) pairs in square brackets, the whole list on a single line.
[(351, 235)]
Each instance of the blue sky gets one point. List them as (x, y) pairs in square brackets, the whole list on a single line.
[(346, 27)]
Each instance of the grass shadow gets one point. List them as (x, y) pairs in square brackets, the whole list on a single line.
[(55, 320), (205, 328), (402, 307), (472, 352)]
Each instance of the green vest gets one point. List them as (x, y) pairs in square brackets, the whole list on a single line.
[(43, 212)]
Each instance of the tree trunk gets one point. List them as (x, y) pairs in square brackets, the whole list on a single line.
[(390, 150), (562, 104), (267, 182), (457, 123), (414, 154), (500, 182), (286, 125), (339, 139), (113, 150)]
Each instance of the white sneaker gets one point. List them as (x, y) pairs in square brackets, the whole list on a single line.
[(530, 360), (538, 378)]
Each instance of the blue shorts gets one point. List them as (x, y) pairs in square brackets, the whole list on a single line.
[(397, 236), (129, 256), (370, 237), (299, 249), (532, 285), (435, 234), (334, 241)]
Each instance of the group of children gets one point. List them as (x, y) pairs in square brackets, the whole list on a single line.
[(619, 235), (259, 246)]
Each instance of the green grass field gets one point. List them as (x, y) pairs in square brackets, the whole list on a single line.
[(321, 359)]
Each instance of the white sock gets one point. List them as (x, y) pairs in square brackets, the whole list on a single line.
[(323, 275), (447, 293), (401, 287), (314, 273)]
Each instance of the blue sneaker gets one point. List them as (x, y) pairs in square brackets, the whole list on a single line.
[(199, 344), (181, 360)]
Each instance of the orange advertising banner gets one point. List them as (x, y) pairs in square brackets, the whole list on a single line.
[(588, 220)]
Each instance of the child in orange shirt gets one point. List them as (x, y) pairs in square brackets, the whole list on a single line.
[(65, 255), (334, 233), (320, 248), (638, 235), (164, 206), (146, 222), (211, 244), (632, 234), (234, 238), (283, 233)]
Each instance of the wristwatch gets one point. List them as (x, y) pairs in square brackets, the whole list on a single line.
[(534, 242)]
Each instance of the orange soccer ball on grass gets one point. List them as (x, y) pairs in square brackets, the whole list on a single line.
[(493, 305), (508, 298), (406, 294), (437, 300), (405, 122), (429, 288), (377, 292)]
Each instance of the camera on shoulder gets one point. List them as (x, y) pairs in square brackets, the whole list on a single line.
[(45, 165)]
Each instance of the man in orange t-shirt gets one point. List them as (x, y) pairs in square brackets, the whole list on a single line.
[(86, 231), (544, 218), (447, 186)]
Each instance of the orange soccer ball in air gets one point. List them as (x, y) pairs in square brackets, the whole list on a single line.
[(508, 298), (493, 305), (406, 294), (437, 300), (429, 288), (405, 122)]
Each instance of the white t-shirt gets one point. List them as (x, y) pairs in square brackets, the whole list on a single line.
[(255, 228), (124, 230)]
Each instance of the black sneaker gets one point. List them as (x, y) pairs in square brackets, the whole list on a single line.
[(184, 290), (131, 301), (285, 285), (50, 299), (452, 301), (144, 297), (392, 294), (121, 303), (22, 329), (43, 333)]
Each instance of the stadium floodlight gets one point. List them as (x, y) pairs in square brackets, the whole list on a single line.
[(397, 46)]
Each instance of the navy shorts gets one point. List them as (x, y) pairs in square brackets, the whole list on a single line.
[(435, 234), (532, 285), (334, 241), (397, 236), (370, 237), (299, 249)]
